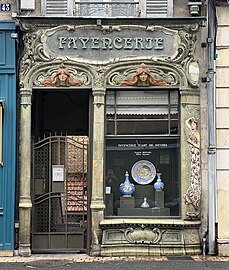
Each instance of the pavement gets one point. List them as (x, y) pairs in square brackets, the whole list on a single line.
[(86, 258), (85, 262)]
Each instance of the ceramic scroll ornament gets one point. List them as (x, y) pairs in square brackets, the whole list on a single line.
[(193, 194), (62, 78), (127, 188), (143, 77)]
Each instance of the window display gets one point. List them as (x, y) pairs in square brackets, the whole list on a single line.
[(143, 168)]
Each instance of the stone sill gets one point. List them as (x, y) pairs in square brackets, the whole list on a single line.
[(158, 222)]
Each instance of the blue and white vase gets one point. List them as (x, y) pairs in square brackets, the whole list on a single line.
[(159, 185), (127, 188)]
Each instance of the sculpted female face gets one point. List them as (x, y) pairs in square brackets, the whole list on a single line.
[(63, 76), (193, 125), (143, 77)]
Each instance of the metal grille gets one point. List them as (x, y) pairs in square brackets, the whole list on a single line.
[(107, 8), (59, 205)]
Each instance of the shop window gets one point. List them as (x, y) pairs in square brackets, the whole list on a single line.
[(142, 140)]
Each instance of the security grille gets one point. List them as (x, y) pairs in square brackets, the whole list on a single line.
[(59, 193)]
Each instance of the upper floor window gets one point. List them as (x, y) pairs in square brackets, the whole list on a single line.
[(108, 8)]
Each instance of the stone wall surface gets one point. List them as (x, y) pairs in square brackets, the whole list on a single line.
[(222, 125)]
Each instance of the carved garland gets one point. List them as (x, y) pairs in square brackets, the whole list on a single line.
[(143, 235)]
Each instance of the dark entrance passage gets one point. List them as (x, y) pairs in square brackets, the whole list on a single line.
[(60, 170)]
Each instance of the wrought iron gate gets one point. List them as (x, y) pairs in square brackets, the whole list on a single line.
[(59, 193)]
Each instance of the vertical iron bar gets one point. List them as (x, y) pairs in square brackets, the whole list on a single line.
[(50, 189), (65, 189)]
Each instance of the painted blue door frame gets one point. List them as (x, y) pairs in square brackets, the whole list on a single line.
[(8, 168)]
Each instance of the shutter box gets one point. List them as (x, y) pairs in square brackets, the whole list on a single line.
[(27, 5)]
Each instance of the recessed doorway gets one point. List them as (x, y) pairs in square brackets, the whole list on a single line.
[(60, 174)]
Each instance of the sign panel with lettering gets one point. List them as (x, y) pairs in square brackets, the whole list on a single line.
[(95, 44)]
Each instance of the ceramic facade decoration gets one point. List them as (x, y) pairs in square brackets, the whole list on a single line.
[(143, 77), (175, 68), (158, 185), (193, 193), (143, 235), (62, 77), (127, 188)]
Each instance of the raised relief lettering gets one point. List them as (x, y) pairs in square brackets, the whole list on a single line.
[(138, 44), (62, 40), (149, 44), (95, 43), (84, 41), (118, 43), (128, 43), (159, 44), (106, 43), (72, 42)]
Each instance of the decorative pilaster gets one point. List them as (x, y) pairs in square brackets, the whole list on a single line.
[(190, 151), (25, 204), (97, 201)]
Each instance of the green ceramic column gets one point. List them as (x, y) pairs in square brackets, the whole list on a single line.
[(25, 173), (97, 201)]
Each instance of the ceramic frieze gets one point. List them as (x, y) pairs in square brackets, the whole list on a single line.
[(62, 76), (156, 74), (192, 194)]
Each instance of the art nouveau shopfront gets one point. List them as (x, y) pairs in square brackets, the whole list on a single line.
[(104, 105)]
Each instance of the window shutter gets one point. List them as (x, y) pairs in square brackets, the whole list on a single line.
[(159, 8), (58, 7)]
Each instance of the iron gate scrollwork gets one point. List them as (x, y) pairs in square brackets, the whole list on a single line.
[(59, 193)]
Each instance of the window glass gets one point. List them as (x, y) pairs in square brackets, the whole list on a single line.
[(142, 139), (121, 155)]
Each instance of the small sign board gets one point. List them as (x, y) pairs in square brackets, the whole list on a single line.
[(108, 190), (58, 173), (5, 7)]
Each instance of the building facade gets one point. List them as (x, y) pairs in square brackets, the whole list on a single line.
[(222, 44), (112, 153)]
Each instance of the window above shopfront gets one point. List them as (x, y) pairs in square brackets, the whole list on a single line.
[(108, 8)]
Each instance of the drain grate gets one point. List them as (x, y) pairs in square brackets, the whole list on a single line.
[(47, 263)]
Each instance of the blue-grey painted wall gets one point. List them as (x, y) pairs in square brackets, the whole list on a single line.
[(8, 170)]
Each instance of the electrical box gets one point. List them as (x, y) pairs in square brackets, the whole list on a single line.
[(27, 5)]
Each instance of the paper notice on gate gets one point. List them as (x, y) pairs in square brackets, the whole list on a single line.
[(57, 173)]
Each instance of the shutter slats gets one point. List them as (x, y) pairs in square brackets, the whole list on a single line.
[(56, 7), (152, 8), (159, 7)]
